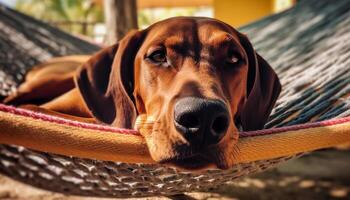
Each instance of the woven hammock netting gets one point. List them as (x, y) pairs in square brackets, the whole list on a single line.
[(308, 46)]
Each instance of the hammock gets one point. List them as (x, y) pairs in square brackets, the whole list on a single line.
[(308, 46)]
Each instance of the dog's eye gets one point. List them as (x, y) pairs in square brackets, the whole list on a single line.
[(158, 56), (233, 58)]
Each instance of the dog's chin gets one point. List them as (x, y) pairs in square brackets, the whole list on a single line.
[(201, 162), (192, 163)]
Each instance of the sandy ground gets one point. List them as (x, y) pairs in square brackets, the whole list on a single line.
[(321, 175)]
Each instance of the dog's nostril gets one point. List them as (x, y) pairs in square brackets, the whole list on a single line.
[(188, 125), (219, 125), (189, 120)]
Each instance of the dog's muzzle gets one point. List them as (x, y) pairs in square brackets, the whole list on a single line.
[(201, 121)]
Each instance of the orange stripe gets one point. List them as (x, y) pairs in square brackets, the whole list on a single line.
[(103, 145)]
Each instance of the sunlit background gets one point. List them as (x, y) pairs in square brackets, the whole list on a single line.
[(86, 18)]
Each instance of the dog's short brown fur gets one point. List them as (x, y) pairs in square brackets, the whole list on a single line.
[(203, 57)]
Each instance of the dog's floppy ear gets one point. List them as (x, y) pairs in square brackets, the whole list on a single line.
[(106, 82), (263, 88)]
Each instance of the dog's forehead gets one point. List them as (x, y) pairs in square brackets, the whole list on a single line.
[(187, 29)]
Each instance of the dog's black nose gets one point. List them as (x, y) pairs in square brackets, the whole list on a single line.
[(200, 119)]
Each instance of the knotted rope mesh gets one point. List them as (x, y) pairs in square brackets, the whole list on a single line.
[(309, 47)]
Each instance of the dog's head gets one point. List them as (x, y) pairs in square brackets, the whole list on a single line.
[(198, 78)]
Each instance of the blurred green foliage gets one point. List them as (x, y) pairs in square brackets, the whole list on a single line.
[(80, 16), (147, 17), (71, 15)]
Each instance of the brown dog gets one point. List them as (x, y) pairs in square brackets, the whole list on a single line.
[(199, 78)]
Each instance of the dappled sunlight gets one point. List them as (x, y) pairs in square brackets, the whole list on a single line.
[(307, 184), (339, 192), (273, 185)]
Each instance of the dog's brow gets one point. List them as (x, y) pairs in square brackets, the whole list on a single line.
[(179, 45), (174, 41), (220, 39)]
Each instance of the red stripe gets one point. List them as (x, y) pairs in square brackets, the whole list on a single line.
[(54, 119), (58, 120), (295, 127)]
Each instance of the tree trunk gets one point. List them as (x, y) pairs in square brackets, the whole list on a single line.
[(120, 18)]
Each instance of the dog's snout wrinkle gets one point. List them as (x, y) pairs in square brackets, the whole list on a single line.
[(200, 120)]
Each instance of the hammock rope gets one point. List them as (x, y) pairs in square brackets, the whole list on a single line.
[(308, 46), (50, 134)]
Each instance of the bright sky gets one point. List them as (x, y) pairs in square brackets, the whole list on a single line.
[(10, 3)]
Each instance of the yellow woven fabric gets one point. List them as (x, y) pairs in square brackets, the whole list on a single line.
[(82, 142)]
